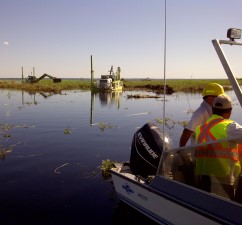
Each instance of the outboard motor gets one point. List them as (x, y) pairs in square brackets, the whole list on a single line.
[(146, 149)]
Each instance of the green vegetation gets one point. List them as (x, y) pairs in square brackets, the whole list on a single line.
[(105, 167), (178, 85), (67, 131), (4, 134), (104, 126), (46, 85), (170, 123)]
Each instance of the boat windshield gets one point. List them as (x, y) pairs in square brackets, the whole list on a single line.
[(213, 167), (104, 81)]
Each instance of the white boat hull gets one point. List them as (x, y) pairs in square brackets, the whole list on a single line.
[(168, 209)]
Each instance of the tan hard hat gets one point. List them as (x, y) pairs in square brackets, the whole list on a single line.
[(222, 102)]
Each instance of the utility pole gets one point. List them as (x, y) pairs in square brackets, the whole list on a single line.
[(22, 74), (92, 73)]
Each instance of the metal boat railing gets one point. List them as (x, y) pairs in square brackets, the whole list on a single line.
[(227, 68)]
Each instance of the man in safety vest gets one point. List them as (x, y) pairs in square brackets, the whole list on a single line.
[(203, 112), (217, 165)]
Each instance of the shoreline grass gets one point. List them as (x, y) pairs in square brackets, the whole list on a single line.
[(45, 85), (178, 85)]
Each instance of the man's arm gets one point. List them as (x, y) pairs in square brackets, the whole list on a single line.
[(186, 134)]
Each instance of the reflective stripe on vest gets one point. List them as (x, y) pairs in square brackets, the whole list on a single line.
[(205, 130), (217, 150)]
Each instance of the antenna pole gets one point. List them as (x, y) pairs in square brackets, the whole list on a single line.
[(160, 169)]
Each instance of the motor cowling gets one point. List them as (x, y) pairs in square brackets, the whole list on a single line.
[(146, 149)]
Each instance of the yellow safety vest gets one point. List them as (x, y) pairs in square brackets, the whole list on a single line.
[(220, 159)]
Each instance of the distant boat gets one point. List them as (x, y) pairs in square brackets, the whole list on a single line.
[(110, 82)]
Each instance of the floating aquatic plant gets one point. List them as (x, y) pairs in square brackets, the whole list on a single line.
[(183, 123), (104, 126), (4, 128), (170, 123), (105, 167), (4, 151), (142, 96), (67, 131), (3, 154)]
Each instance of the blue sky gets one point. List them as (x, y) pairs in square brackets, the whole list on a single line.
[(58, 37)]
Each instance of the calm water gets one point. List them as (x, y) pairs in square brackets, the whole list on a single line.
[(52, 174)]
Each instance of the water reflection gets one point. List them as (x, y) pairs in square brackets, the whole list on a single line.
[(46, 95), (110, 98), (30, 94), (106, 99), (125, 214), (34, 94), (31, 186)]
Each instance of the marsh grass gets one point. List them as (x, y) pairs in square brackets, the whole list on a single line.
[(46, 85), (178, 85)]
